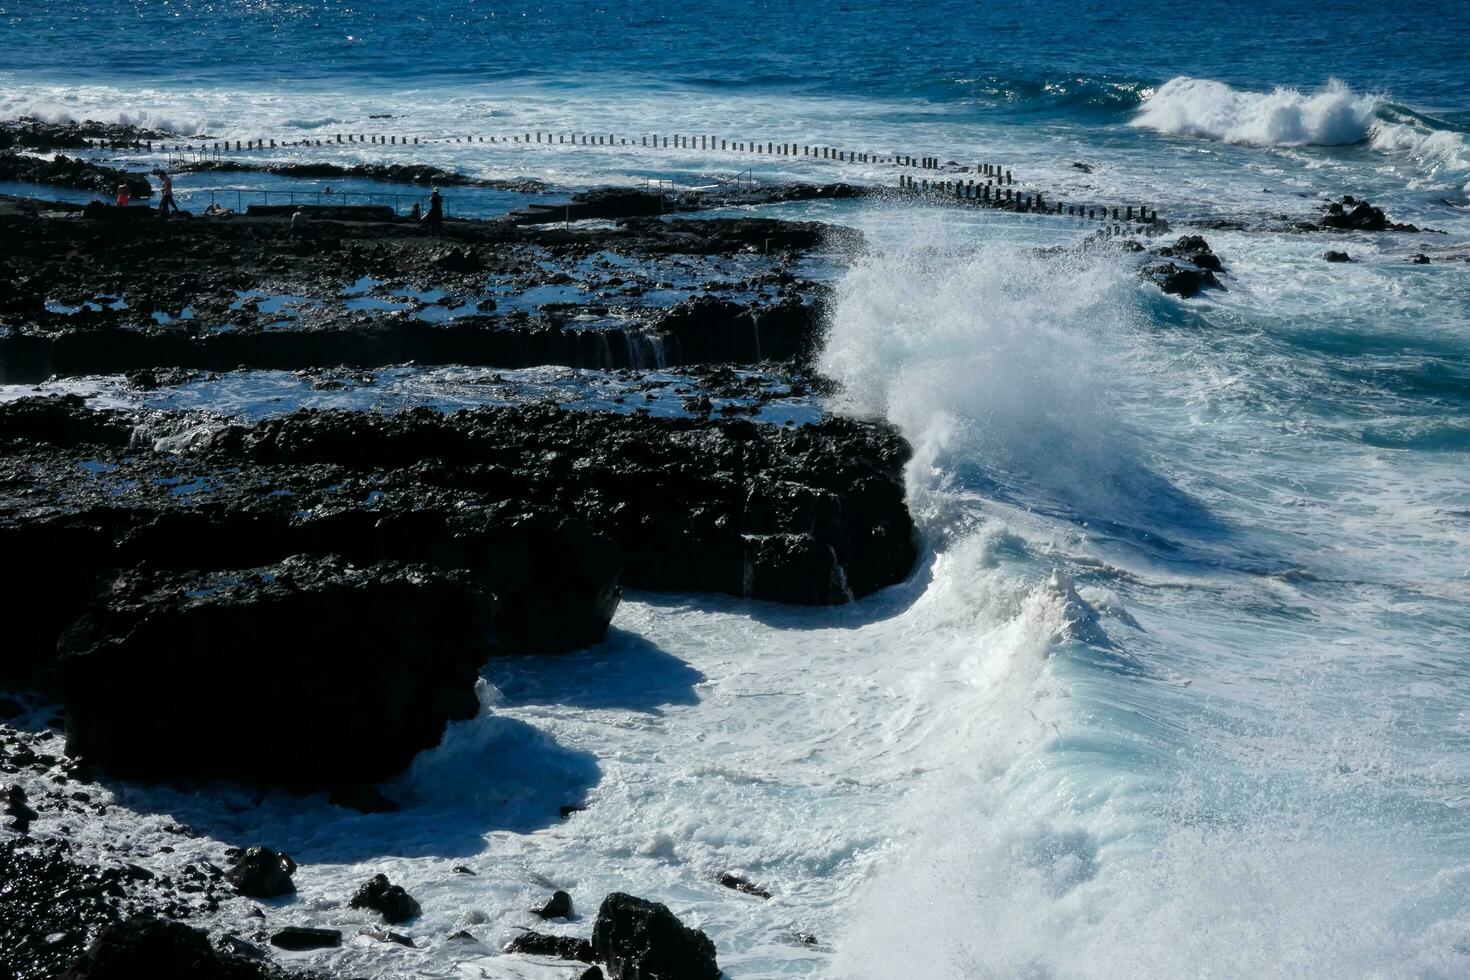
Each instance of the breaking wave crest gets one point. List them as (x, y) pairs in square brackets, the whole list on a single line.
[(1334, 115)]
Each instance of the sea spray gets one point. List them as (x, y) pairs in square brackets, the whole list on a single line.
[(1333, 116)]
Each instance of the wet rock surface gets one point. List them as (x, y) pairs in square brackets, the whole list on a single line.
[(392, 173), (635, 938), (60, 916), (391, 901), (64, 171), (235, 291), (260, 872), (354, 562), (627, 202), (305, 937), (304, 600), (541, 944), (327, 673), (37, 135), (1351, 214), (144, 946)]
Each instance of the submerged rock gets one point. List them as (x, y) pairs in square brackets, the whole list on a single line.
[(349, 672), (1192, 249), (637, 938), (391, 901), (558, 906), (744, 885), (1350, 214), (1334, 256), (541, 944), (262, 873), (1180, 281), (302, 937)]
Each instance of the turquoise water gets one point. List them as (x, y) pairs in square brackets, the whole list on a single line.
[(1181, 688)]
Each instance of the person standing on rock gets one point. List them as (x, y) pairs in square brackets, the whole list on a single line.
[(435, 217), (166, 196), (123, 195), (298, 224)]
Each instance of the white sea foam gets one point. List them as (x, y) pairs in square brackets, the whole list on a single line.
[(1333, 116)]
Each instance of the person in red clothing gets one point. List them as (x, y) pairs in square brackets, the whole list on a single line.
[(123, 195)]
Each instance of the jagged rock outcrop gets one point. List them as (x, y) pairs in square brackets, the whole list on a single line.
[(303, 674), (636, 938)]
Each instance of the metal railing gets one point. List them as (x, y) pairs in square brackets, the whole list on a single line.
[(401, 203)]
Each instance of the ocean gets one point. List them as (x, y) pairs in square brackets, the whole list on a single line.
[(1181, 686)]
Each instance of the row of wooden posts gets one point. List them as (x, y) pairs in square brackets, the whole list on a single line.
[(708, 143), (990, 192), (993, 185)]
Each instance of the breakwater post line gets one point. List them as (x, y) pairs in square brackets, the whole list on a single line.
[(1115, 218), (704, 143), (992, 186)]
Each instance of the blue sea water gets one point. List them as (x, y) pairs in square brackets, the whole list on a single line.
[(1182, 687)]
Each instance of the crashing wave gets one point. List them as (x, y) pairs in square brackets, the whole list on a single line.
[(1332, 116)]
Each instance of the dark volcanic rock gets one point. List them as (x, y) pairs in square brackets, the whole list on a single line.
[(262, 873), (630, 202), (813, 515), (52, 907), (303, 674), (704, 330), (393, 173), (64, 171), (302, 937), (1179, 280), (1333, 256), (559, 906), (49, 907), (17, 809), (637, 938), (395, 905), (149, 947), (1350, 214), (540, 944), (1192, 249), (744, 885), (34, 134), (542, 506)]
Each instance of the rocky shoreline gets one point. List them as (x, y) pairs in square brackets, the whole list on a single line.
[(302, 600)]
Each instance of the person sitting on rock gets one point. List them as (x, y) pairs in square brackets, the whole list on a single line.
[(415, 213)]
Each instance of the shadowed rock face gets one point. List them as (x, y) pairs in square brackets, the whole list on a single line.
[(305, 674), (638, 938), (147, 947), (545, 509)]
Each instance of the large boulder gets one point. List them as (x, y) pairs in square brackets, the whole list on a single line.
[(260, 872), (391, 901), (642, 940), (305, 674)]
